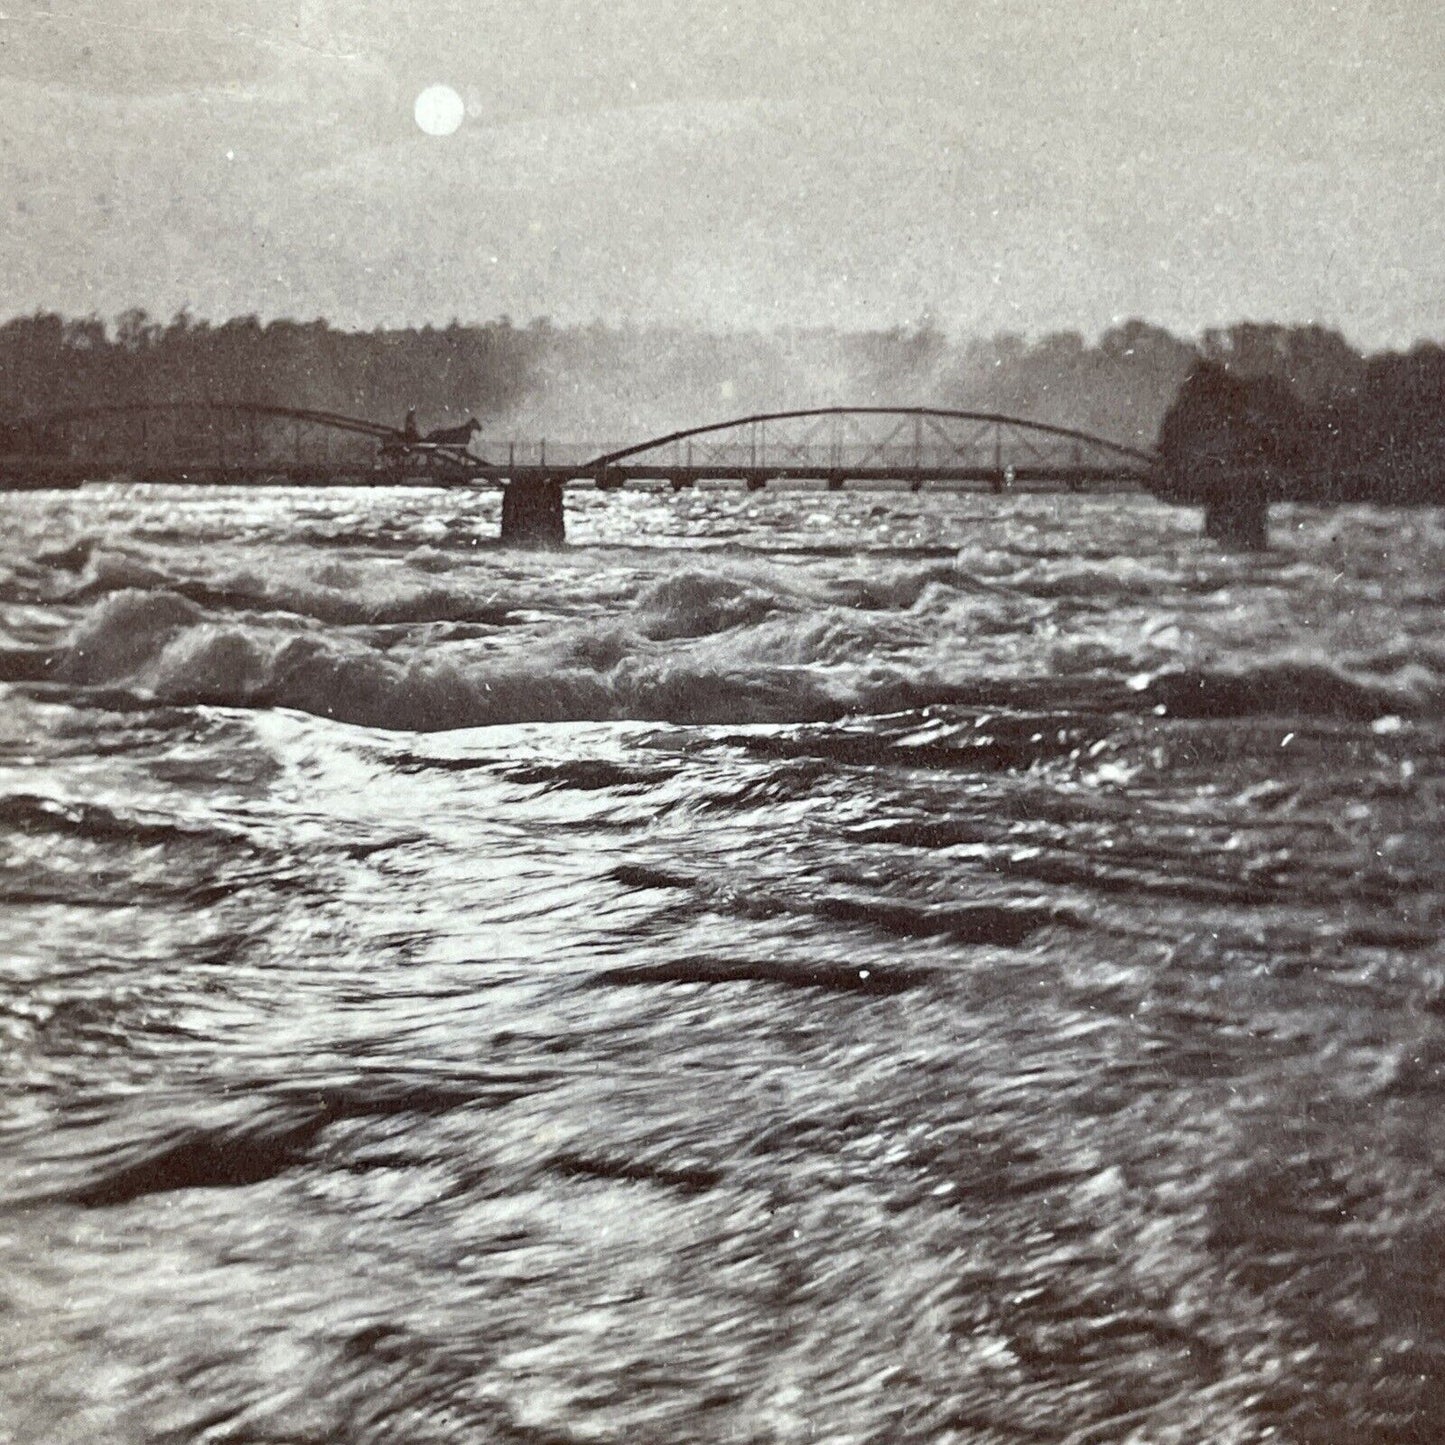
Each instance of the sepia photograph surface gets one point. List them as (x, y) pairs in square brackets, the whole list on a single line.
[(722, 722)]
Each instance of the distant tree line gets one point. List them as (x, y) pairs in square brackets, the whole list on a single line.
[(49, 364), (1299, 399)]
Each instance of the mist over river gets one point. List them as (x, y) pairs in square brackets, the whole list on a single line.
[(789, 967)]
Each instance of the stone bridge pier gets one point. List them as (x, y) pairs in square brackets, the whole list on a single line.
[(533, 514)]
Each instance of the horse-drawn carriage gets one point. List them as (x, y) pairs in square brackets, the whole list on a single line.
[(443, 452)]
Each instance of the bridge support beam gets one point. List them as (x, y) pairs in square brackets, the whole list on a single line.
[(533, 514), (1238, 517)]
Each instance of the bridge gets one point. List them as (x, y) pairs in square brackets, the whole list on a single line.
[(254, 444)]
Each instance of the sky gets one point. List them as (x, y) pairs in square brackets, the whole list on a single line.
[(989, 165)]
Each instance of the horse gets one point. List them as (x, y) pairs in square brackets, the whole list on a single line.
[(455, 435)]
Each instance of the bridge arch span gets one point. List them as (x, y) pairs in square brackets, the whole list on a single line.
[(882, 440), (119, 411), (244, 439)]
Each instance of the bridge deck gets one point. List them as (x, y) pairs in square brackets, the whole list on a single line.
[(43, 473)]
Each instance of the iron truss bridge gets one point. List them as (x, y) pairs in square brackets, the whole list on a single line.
[(256, 443), (875, 444)]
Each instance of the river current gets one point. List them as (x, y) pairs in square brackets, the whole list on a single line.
[(789, 967)]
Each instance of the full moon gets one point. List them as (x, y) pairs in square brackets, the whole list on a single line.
[(439, 110)]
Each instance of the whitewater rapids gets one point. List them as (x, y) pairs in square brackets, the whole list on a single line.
[(791, 966)]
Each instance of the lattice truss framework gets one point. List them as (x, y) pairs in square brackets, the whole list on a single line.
[(864, 441)]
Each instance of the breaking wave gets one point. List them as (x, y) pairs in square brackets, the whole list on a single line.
[(168, 648), (695, 647)]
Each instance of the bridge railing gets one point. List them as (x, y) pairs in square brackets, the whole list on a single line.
[(537, 451), (820, 458)]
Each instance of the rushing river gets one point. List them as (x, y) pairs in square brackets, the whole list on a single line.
[(792, 967)]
